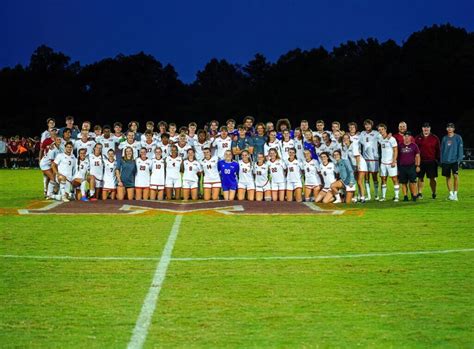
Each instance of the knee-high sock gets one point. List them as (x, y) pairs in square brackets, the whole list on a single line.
[(51, 186), (376, 188), (84, 188), (397, 190), (62, 188), (367, 189), (384, 190), (68, 188), (45, 183)]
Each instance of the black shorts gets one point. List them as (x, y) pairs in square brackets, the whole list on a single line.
[(447, 169), (407, 174), (428, 168)]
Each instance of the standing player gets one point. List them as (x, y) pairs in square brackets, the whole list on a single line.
[(183, 145), (328, 172), (173, 174), (96, 172), (369, 141), (191, 174), (272, 143), (84, 142), (142, 178), (157, 179), (242, 143), (353, 133), (201, 144), (452, 153), (132, 143), (277, 167), (222, 143), (351, 151), (293, 176), (148, 143), (63, 167), (110, 179), (212, 180), (107, 140), (312, 182), (228, 170), (259, 140), (262, 185), (388, 165), (286, 144), (246, 183), (299, 144), (430, 149)]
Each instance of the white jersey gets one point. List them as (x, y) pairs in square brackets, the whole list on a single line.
[(66, 165), (174, 139), (183, 151), (156, 137), (173, 167), (142, 178), (329, 174), (110, 179), (46, 134), (192, 140), (157, 172), (199, 148), (293, 171), (369, 144), (350, 153), (165, 150), (330, 148), (48, 158), (387, 145), (96, 166), (221, 146), (82, 169), (191, 170), (89, 146), (150, 148), (277, 170), (261, 174), (355, 137), (285, 148), (269, 145), (107, 143), (135, 146), (311, 172), (211, 171), (299, 146), (245, 172)]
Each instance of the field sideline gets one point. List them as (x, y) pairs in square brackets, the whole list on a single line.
[(397, 275)]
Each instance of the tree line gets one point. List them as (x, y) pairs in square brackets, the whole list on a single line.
[(429, 77)]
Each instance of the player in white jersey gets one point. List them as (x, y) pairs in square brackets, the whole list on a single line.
[(312, 181), (165, 145), (142, 178), (132, 143), (84, 143), (183, 146), (293, 177), (353, 133), (200, 144), (149, 144), (246, 184), (351, 151), (80, 175), (299, 144), (96, 173), (49, 154), (107, 140), (328, 172), (64, 166), (328, 145), (272, 143), (277, 169), (173, 174), (286, 144), (368, 140), (191, 169), (388, 166), (109, 188), (157, 179), (262, 184), (222, 143), (212, 180)]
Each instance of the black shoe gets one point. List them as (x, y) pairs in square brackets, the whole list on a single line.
[(433, 195), (413, 198), (419, 196), (405, 198)]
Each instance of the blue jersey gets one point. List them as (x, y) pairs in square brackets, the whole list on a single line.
[(311, 148), (228, 172), (280, 135)]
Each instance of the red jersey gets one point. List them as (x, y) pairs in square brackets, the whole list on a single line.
[(399, 138), (429, 147)]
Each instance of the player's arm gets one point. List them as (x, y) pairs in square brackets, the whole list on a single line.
[(417, 162), (395, 156)]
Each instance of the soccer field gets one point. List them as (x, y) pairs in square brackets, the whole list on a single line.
[(379, 275)]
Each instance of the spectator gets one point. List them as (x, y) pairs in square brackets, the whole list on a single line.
[(452, 154), (409, 156), (3, 152), (429, 147)]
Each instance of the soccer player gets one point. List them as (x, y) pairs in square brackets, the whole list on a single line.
[(293, 177), (409, 159), (130, 142), (272, 143), (51, 124), (262, 185), (173, 174), (259, 140), (369, 141), (248, 124), (286, 144), (173, 136), (110, 179), (351, 151), (246, 184), (157, 179), (133, 128), (96, 172), (312, 182), (201, 144), (353, 133), (183, 145), (149, 144), (222, 143), (276, 168), (328, 172), (126, 171), (430, 149), (107, 140), (228, 170), (212, 180), (299, 144), (50, 153), (191, 169), (281, 126), (346, 179), (328, 145), (388, 166), (64, 166), (452, 153), (80, 175), (84, 142), (142, 177)]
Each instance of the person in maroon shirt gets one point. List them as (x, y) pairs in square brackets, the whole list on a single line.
[(429, 146), (402, 129), (409, 160)]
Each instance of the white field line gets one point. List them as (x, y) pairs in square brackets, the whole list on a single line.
[(46, 208), (148, 308), (186, 259), (314, 207)]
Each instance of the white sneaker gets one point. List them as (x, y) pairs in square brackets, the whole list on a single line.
[(395, 199), (382, 199), (337, 201), (354, 200), (65, 199), (455, 197), (451, 197), (376, 198)]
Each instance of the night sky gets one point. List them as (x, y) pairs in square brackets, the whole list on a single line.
[(188, 34)]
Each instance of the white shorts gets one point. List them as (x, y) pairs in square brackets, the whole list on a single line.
[(246, 185), (45, 165), (142, 183), (372, 165), (264, 188), (362, 166), (190, 184), (293, 185), (278, 186), (173, 183), (211, 185), (109, 184), (388, 170), (350, 187), (157, 186)]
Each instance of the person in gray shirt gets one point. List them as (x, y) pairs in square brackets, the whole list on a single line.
[(452, 154)]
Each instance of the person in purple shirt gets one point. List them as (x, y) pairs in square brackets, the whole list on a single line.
[(409, 160), (228, 170)]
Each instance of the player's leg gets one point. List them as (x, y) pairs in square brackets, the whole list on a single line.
[(335, 187), (259, 194), (195, 192), (138, 193), (241, 193), (360, 183), (289, 191), (316, 190), (251, 194), (161, 193), (231, 194), (328, 197), (153, 192), (146, 193), (298, 194), (320, 196), (130, 193), (376, 182), (350, 193), (367, 182), (91, 180), (216, 190)]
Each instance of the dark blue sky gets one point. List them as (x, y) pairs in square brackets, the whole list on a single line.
[(188, 34)]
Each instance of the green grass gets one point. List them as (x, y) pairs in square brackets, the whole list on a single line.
[(391, 301)]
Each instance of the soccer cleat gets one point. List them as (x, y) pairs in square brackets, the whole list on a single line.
[(405, 198), (433, 195), (84, 198), (92, 199), (337, 201), (382, 199), (420, 196), (413, 198), (376, 198), (65, 199), (455, 197), (354, 200), (395, 199), (451, 197)]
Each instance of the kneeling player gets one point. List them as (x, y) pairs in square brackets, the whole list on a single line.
[(246, 183), (262, 184), (63, 167), (110, 178), (293, 177), (80, 177), (328, 171), (312, 180)]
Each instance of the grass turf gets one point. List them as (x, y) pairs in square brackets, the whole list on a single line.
[(399, 301)]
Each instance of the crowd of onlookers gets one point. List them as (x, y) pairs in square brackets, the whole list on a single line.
[(16, 152)]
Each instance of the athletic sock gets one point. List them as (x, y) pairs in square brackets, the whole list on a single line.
[(376, 189), (384, 190), (68, 188), (45, 183), (84, 189), (367, 189), (397, 190), (91, 193), (338, 196), (51, 186), (62, 188)]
